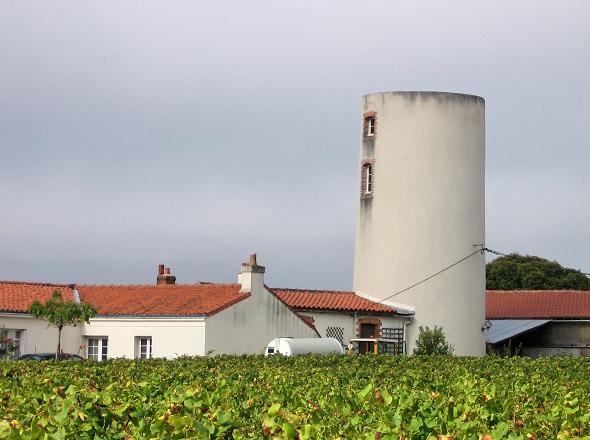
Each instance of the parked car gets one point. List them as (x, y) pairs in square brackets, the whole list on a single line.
[(50, 357)]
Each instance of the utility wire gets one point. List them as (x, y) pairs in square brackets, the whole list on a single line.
[(491, 251), (435, 274), (482, 250)]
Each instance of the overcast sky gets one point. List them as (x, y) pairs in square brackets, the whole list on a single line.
[(134, 133)]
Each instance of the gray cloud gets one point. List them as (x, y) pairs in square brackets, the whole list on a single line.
[(192, 134)]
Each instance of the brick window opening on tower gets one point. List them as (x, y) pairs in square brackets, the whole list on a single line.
[(370, 124), (367, 178)]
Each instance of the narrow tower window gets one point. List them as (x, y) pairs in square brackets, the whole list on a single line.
[(370, 124), (367, 178)]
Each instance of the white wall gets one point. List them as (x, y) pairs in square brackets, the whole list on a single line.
[(427, 211), (171, 337), (38, 337), (248, 326)]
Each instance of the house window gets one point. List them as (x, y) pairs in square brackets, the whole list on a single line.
[(10, 343), (18, 340), (97, 349), (367, 179), (144, 347), (336, 333)]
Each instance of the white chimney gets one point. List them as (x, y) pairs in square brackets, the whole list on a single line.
[(251, 276)]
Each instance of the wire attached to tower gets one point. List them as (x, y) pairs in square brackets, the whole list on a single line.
[(482, 250)]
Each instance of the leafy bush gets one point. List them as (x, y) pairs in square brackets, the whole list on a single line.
[(432, 342)]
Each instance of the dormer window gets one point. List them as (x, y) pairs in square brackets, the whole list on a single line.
[(367, 179), (370, 124)]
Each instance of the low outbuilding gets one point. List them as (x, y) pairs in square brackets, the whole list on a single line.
[(538, 323)]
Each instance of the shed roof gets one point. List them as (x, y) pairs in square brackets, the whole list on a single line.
[(503, 329), (537, 304)]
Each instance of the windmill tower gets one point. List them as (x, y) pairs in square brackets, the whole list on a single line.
[(422, 208)]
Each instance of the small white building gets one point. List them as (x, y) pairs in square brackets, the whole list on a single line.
[(345, 315), (538, 323), (161, 320)]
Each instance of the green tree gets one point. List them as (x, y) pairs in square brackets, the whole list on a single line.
[(60, 313), (432, 342), (526, 272)]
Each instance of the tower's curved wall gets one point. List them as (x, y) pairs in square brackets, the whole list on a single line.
[(424, 210)]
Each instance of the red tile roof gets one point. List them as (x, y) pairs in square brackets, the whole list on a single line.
[(164, 300), (332, 300), (15, 296), (537, 304), (151, 300)]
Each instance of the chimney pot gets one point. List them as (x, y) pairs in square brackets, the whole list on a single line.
[(251, 275), (164, 277)]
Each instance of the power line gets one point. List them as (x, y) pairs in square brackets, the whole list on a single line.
[(491, 251), (435, 274), (482, 250)]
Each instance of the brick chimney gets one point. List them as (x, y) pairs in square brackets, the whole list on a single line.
[(251, 275), (164, 277)]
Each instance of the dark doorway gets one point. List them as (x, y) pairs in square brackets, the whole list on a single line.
[(367, 331)]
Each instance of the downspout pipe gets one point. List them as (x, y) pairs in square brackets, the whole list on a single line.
[(405, 351)]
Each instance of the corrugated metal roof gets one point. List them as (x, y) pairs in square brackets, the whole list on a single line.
[(503, 329)]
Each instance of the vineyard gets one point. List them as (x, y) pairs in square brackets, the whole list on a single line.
[(308, 397)]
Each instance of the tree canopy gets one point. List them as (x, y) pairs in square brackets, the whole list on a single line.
[(526, 272), (60, 313)]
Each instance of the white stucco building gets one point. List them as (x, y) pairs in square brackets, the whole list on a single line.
[(422, 208), (167, 319), (344, 315), (160, 320)]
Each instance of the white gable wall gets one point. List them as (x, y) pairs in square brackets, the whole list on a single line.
[(171, 337), (248, 326)]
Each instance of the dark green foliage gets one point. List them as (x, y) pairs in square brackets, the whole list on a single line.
[(525, 272), (432, 343), (306, 397), (60, 313)]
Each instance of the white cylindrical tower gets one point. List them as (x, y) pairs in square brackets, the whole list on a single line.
[(422, 208)]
